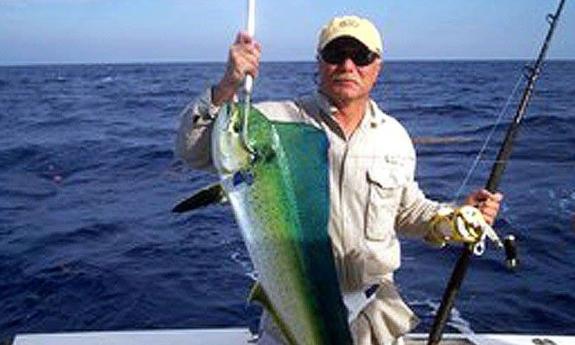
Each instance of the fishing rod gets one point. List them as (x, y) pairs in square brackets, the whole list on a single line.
[(497, 170)]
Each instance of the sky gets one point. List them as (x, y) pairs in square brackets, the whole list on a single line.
[(122, 31)]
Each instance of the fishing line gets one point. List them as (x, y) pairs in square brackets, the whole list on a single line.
[(479, 155), (516, 161)]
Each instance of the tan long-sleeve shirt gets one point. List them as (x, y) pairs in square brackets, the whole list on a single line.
[(373, 198)]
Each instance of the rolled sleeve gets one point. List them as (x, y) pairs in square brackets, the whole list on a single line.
[(415, 212), (193, 144)]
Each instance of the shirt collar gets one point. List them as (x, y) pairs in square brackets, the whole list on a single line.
[(327, 108)]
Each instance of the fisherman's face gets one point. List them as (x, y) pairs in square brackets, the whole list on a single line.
[(348, 70)]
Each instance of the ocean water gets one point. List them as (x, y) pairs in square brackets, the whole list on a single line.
[(88, 178)]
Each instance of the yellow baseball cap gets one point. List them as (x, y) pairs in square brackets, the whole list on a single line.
[(351, 26)]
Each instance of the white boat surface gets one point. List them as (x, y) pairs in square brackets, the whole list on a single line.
[(242, 336)]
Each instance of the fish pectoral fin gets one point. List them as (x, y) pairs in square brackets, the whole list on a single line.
[(259, 295), (210, 195)]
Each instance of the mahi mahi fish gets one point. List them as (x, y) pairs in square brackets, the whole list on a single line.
[(279, 191)]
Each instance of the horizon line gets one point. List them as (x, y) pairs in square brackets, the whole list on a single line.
[(178, 62)]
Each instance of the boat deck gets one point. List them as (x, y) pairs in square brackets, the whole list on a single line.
[(241, 336)]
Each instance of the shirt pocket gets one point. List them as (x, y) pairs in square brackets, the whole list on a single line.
[(384, 195)]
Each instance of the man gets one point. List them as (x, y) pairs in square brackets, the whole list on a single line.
[(373, 193)]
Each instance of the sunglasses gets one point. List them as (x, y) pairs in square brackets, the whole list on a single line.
[(360, 57)]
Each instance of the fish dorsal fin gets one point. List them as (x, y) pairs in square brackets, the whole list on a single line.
[(210, 195), (258, 294)]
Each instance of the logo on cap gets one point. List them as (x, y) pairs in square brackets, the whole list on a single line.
[(348, 22)]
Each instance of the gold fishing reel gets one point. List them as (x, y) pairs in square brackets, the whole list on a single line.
[(466, 225)]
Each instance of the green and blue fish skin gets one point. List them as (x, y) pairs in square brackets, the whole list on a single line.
[(280, 198)]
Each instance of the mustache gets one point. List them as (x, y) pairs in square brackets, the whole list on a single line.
[(345, 77)]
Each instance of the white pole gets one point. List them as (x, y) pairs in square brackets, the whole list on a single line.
[(249, 80), (251, 25), (251, 28)]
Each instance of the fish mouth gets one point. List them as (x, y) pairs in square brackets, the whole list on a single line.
[(229, 155)]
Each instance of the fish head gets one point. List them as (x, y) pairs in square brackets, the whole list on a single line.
[(229, 152)]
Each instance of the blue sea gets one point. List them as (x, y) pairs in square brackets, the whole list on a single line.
[(88, 178)]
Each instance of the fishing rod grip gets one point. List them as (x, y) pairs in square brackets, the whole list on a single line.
[(510, 251), (449, 296)]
